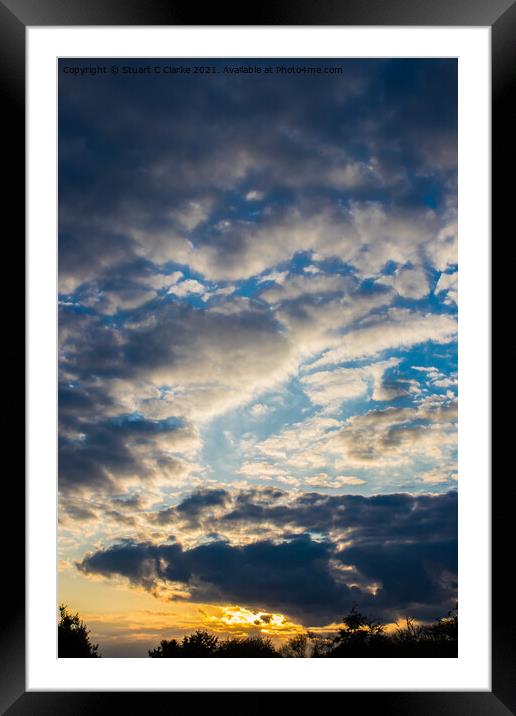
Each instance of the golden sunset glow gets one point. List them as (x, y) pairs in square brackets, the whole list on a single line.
[(239, 620)]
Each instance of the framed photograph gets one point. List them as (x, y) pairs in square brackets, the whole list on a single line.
[(258, 263)]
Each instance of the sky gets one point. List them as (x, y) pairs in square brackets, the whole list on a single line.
[(257, 344)]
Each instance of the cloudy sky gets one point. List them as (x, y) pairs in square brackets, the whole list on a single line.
[(258, 345)]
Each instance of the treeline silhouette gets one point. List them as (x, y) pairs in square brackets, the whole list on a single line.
[(73, 636), (359, 636)]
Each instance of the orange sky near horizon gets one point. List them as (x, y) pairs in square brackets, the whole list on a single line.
[(130, 621)]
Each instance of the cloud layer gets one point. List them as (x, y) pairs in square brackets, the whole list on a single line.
[(392, 554)]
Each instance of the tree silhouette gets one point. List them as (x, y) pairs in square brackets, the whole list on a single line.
[(249, 647), (360, 636), (73, 637), (199, 644), (166, 650)]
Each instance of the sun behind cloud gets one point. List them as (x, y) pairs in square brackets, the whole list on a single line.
[(242, 621)]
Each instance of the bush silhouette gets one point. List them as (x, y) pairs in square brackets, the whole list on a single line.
[(306, 646), (203, 644), (298, 647), (72, 637), (439, 639), (247, 647), (166, 650), (199, 644)]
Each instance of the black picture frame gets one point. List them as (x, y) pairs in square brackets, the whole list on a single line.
[(15, 17)]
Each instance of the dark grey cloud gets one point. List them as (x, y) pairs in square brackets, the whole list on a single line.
[(402, 551), (293, 576), (410, 572), (381, 517), (198, 501), (127, 501), (96, 453), (194, 507)]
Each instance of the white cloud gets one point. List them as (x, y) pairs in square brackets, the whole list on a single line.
[(315, 326), (297, 286), (193, 213), (400, 328), (334, 483), (254, 195), (436, 476), (276, 276), (259, 410), (186, 288), (448, 283), (436, 378), (261, 470), (408, 282), (398, 435), (331, 388), (223, 291), (443, 250), (160, 280)]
